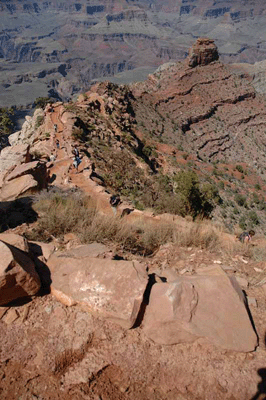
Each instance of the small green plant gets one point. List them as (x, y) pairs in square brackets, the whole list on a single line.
[(254, 219), (239, 168), (6, 123), (39, 121), (242, 222), (240, 199)]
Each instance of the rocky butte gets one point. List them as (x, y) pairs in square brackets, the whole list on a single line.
[(155, 298)]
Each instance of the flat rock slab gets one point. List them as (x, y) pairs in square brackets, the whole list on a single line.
[(18, 277), (113, 289), (88, 250), (204, 306)]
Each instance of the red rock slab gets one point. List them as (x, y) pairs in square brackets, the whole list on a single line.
[(113, 289), (18, 277), (23, 185), (203, 306)]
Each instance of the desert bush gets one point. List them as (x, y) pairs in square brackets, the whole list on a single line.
[(254, 219), (239, 168), (6, 123), (198, 234), (194, 199), (39, 121), (240, 199), (242, 222), (41, 102)]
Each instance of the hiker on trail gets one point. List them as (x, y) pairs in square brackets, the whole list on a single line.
[(245, 237), (57, 143), (75, 151), (55, 127), (114, 202), (52, 157), (76, 162)]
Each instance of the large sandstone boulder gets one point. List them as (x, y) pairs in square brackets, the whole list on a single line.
[(203, 52), (35, 168), (18, 277), (15, 240), (113, 289), (12, 156), (22, 186), (207, 306)]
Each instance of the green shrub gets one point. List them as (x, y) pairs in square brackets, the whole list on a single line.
[(242, 223), (39, 121), (254, 219), (194, 200), (257, 186), (240, 199), (41, 102), (6, 123), (239, 168)]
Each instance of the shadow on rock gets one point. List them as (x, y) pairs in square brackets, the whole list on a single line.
[(41, 268), (261, 386), (16, 212)]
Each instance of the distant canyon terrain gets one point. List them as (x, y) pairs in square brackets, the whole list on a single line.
[(57, 48)]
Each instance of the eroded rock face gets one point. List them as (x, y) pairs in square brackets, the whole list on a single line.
[(200, 306), (113, 289), (18, 277), (203, 52)]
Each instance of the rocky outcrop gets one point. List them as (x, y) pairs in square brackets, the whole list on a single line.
[(23, 186), (209, 305), (210, 110), (18, 277), (14, 155), (35, 168), (29, 130), (15, 240), (203, 52), (112, 289), (25, 179)]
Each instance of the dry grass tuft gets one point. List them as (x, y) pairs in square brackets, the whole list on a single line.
[(199, 234), (61, 212)]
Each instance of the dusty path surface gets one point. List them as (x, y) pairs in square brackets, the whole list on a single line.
[(50, 351)]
